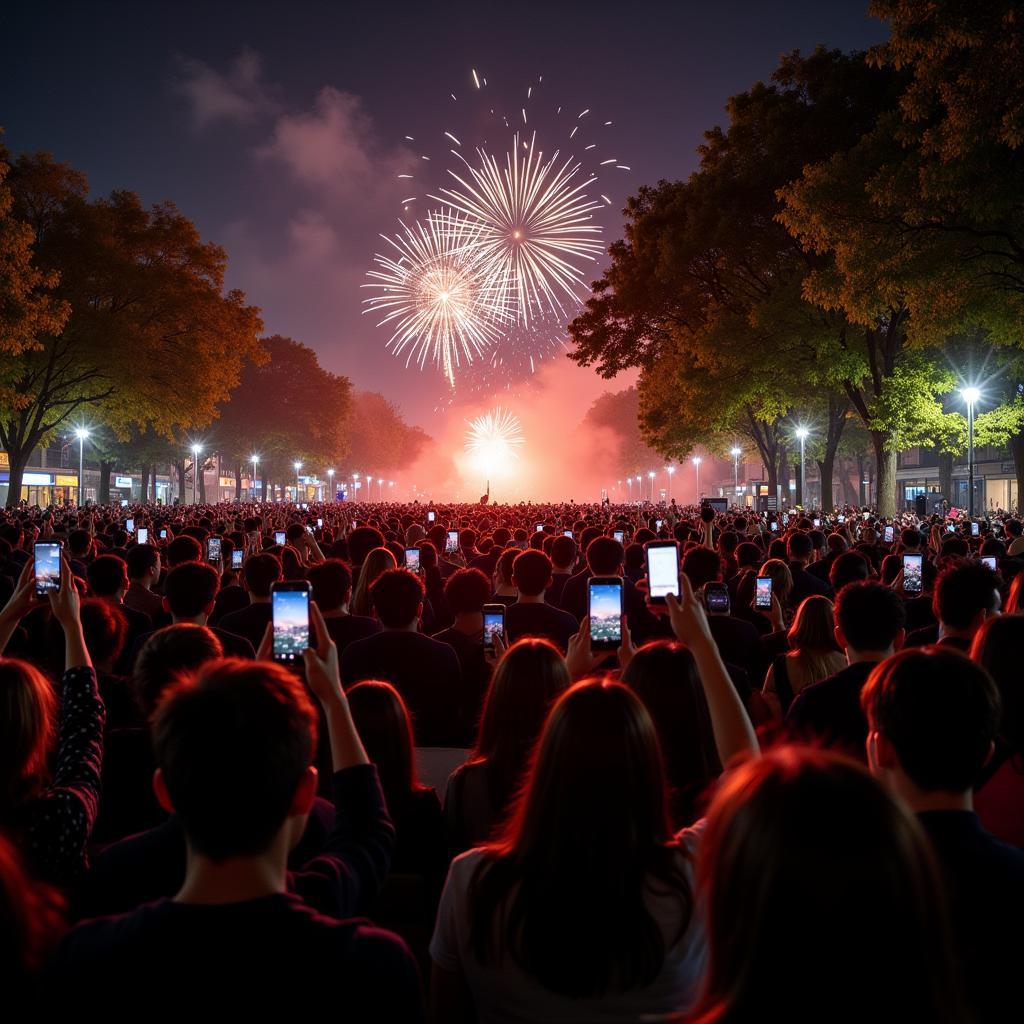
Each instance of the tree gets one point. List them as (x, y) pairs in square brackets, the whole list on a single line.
[(151, 339), (380, 439)]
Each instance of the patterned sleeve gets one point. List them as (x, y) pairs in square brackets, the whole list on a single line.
[(62, 818)]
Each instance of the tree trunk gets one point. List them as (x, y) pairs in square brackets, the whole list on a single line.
[(179, 468), (238, 482), (826, 471), (946, 475), (200, 474), (1017, 451), (103, 494), (782, 479), (885, 478), (145, 482), (798, 477), (18, 458)]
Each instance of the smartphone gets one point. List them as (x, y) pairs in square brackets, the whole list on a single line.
[(129, 525), (46, 555), (950, 528), (319, 524), (567, 533), (785, 518), (662, 569), (817, 523), (279, 536), (494, 625), (912, 573), (619, 535), (412, 559), (604, 606), (539, 528), (431, 516), (290, 614), (309, 530), (763, 593), (143, 535), (773, 527), (163, 535), (658, 523), (124, 503), (842, 519), (213, 550), (453, 541), (236, 558), (716, 598), (990, 561), (888, 534), (974, 529), (865, 515)]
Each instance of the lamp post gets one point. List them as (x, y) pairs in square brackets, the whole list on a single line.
[(629, 484), (735, 453), (670, 470), (970, 396), (298, 466), (696, 466), (650, 476), (369, 488), (801, 432), (252, 490), (196, 449), (330, 484), (81, 433)]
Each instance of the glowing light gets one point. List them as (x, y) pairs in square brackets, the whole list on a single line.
[(493, 439), (446, 304), (971, 395), (536, 225)]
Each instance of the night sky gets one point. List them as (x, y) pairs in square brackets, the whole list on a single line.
[(278, 128)]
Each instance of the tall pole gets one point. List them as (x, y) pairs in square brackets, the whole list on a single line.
[(803, 472), (81, 464), (696, 466), (670, 470), (970, 459), (252, 489)]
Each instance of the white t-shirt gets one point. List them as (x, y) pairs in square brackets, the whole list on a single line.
[(508, 995)]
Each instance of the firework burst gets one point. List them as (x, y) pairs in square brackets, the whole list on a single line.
[(444, 302), (494, 437)]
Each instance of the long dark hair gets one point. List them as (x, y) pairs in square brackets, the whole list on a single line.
[(997, 647), (528, 680), (562, 891), (383, 723), (805, 855), (664, 676)]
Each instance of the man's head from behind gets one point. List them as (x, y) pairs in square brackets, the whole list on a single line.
[(108, 576), (604, 556), (966, 593), (702, 565), (234, 749), (869, 618), (466, 591), (260, 573), (166, 656), (397, 597), (331, 581), (183, 549), (531, 573), (190, 590), (799, 547), (933, 715)]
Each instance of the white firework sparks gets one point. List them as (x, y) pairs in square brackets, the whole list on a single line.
[(494, 437), (536, 225), (444, 302)]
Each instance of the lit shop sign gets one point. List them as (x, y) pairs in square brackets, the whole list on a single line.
[(67, 481), (122, 481), (37, 480), (227, 481)]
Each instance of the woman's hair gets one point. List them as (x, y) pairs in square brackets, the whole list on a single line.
[(809, 865), (291, 564), (563, 890), (377, 561), (997, 647), (1015, 598), (31, 917), (664, 676), (383, 723), (28, 722), (782, 579), (527, 681), (812, 635)]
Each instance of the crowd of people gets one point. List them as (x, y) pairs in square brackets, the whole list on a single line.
[(803, 803)]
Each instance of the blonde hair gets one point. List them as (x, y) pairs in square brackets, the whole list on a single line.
[(28, 715), (378, 561), (812, 635), (782, 579)]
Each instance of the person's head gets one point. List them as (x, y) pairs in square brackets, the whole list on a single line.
[(79, 543), (966, 593), (563, 553), (362, 540), (804, 850), (190, 590), (503, 567), (997, 648), (870, 619), (183, 549), (597, 762), (531, 573), (664, 676), (702, 565), (849, 567), (376, 562), (814, 628), (108, 576), (104, 628), (31, 920), (28, 717), (467, 591), (397, 598), (260, 573), (910, 539), (234, 749), (467, 541), (933, 716), (748, 555), (799, 547), (384, 726), (781, 577), (168, 655), (143, 564), (604, 556), (331, 582)]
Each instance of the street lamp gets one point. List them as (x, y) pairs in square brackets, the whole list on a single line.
[(802, 432), (196, 449), (696, 466), (970, 396), (735, 452), (298, 466), (369, 488), (330, 484), (650, 476), (254, 459), (81, 433), (670, 470)]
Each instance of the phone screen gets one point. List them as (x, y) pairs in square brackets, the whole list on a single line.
[(773, 527), (817, 523), (888, 534), (605, 610), (129, 525), (763, 598), (620, 536), (539, 528), (213, 549), (567, 533), (658, 523), (974, 529), (494, 624), (163, 535), (842, 519), (124, 503), (431, 517), (143, 535), (912, 573), (453, 541), (290, 609), (320, 524), (412, 559), (716, 598), (950, 528), (662, 571), (47, 567), (236, 558), (990, 561), (279, 536)]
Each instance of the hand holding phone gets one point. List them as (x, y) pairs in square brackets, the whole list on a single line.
[(290, 617), (912, 570), (662, 570), (494, 626), (604, 612)]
